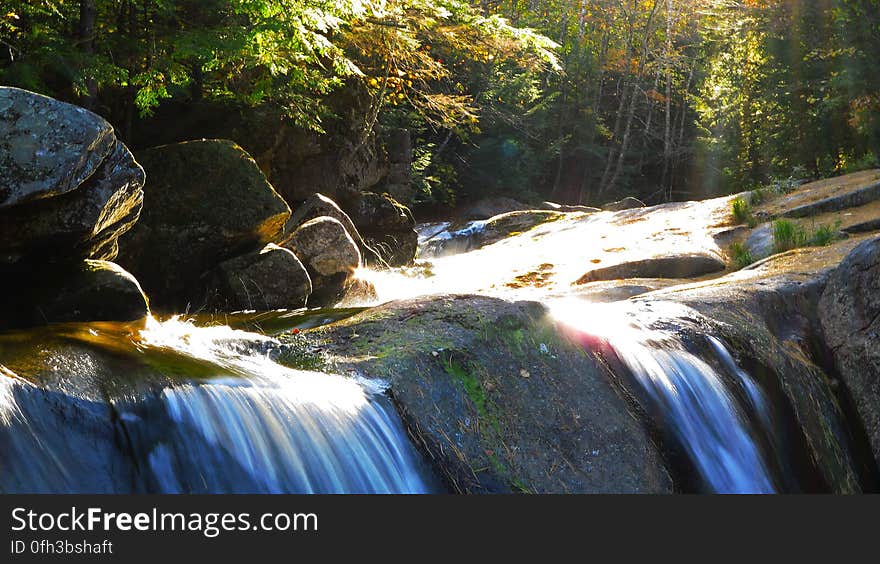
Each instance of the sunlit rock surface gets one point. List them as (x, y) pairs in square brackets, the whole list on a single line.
[(498, 397)]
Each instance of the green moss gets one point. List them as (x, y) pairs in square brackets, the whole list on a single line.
[(299, 354), (472, 386)]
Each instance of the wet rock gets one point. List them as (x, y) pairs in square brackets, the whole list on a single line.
[(674, 266), (205, 201), (93, 291), (553, 206), (387, 226), (849, 311), (53, 442), (47, 147), (768, 315), (477, 234), (270, 279), (627, 203), (457, 366), (328, 253)]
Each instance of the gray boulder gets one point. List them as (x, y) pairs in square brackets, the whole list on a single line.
[(206, 201), (84, 223), (68, 187), (849, 310), (318, 205), (760, 242), (47, 147), (329, 254), (270, 279)]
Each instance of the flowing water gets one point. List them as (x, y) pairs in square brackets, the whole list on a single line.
[(694, 404), (246, 425), (218, 414)]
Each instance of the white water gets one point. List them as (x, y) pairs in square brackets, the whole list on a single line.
[(288, 431), (246, 424), (688, 396)]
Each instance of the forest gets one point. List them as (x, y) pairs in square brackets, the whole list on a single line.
[(439, 246), (577, 101)]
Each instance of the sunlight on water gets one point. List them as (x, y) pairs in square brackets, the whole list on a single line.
[(547, 260), (241, 423), (688, 395), (290, 431)]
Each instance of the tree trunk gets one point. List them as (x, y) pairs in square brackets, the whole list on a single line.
[(618, 120), (621, 157)]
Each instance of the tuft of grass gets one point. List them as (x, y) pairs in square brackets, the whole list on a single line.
[(824, 235), (789, 235), (740, 255), (741, 209)]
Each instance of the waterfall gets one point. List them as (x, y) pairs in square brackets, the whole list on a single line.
[(715, 419), (246, 425)]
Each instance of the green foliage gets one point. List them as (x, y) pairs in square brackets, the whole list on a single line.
[(740, 255), (289, 53), (576, 101), (741, 210), (824, 235), (789, 235), (787, 88)]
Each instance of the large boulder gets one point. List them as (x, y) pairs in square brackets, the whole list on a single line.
[(329, 254), (206, 201), (47, 147), (849, 310), (319, 205), (68, 190), (68, 187), (84, 223), (93, 291), (386, 226), (272, 278), (498, 397)]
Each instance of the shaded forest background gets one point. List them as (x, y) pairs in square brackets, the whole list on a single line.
[(576, 101)]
